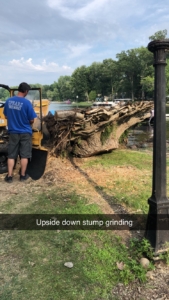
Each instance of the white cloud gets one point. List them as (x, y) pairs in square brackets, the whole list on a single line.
[(74, 51), (43, 67), (78, 10), (69, 33), (102, 20)]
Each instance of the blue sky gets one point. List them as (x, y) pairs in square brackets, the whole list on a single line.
[(41, 40)]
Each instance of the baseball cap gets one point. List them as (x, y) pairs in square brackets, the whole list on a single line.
[(23, 87)]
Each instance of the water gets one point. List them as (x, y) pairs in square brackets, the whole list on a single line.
[(61, 106), (142, 136)]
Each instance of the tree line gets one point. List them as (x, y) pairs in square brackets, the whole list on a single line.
[(131, 75)]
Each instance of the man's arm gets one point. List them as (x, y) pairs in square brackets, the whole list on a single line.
[(31, 113), (5, 110)]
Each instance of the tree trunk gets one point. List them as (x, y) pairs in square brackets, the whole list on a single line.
[(87, 95), (132, 88), (142, 94), (88, 132)]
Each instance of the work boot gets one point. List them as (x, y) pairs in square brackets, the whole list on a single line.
[(8, 178)]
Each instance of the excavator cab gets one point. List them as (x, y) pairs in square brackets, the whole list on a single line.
[(37, 163)]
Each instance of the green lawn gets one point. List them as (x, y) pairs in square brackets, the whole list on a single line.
[(132, 187), (32, 262)]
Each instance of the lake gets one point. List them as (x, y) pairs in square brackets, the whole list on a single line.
[(142, 136), (61, 106)]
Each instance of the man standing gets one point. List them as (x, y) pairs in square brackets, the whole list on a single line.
[(152, 116), (20, 115)]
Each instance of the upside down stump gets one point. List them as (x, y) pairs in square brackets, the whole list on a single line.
[(88, 132), (157, 230)]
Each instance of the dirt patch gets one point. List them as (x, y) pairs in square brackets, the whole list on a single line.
[(156, 287), (70, 174)]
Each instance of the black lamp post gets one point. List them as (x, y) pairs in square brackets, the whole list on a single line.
[(157, 230)]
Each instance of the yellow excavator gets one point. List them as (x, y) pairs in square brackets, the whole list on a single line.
[(37, 164)]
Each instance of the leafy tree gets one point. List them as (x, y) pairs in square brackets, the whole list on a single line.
[(95, 77), (129, 66), (159, 35), (4, 94), (110, 78), (146, 70), (103, 77), (64, 86), (92, 95), (148, 84), (52, 92), (134, 66), (45, 88), (80, 83)]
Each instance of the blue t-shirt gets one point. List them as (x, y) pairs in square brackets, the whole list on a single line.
[(19, 113)]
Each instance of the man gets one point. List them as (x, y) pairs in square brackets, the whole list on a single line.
[(152, 116), (20, 115)]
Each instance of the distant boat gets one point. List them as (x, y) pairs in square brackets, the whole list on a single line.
[(106, 104), (123, 100), (67, 101), (109, 104)]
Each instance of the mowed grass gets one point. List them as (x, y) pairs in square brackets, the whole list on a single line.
[(34, 265), (124, 157), (32, 262), (82, 104), (132, 186)]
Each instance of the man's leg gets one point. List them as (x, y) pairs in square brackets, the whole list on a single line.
[(12, 152), (25, 153), (11, 163), (24, 163)]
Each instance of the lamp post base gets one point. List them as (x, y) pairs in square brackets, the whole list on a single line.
[(157, 227)]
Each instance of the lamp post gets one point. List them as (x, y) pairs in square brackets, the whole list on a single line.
[(158, 217)]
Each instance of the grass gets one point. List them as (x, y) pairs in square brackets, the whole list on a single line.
[(38, 270), (82, 104), (132, 186), (124, 157), (32, 261), (167, 108)]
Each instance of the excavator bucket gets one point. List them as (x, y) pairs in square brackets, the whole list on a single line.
[(37, 164)]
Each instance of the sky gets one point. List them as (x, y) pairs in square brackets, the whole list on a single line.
[(41, 40)]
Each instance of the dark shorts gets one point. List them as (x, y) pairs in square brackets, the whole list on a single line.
[(20, 144)]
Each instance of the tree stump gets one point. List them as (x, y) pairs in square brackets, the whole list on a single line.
[(87, 132)]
